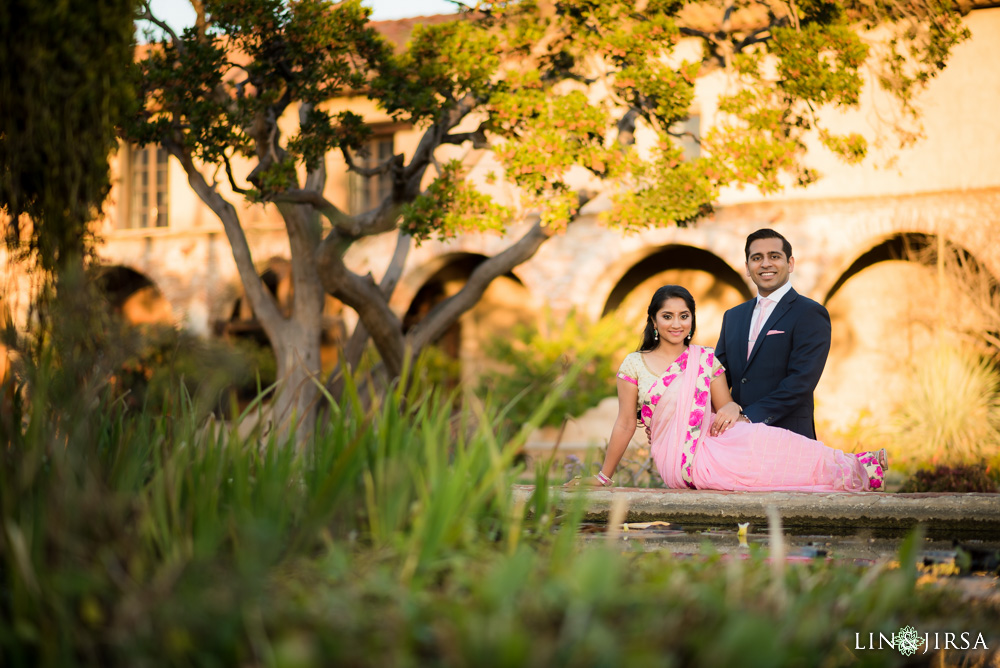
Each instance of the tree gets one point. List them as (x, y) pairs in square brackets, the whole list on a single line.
[(550, 87), (63, 92)]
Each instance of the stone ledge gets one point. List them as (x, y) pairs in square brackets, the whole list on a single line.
[(954, 515)]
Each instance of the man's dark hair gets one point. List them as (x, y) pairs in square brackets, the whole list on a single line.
[(767, 233)]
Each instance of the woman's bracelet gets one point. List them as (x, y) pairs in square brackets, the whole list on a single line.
[(603, 479)]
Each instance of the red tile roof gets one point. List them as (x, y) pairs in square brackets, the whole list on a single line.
[(398, 31)]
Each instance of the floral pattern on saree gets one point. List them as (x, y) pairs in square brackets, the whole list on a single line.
[(657, 389), (698, 409), (699, 405)]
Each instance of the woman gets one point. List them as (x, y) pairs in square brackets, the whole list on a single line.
[(674, 385)]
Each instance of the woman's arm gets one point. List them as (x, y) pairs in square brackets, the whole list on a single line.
[(621, 433), (727, 411)]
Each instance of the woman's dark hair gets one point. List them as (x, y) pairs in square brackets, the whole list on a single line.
[(660, 296)]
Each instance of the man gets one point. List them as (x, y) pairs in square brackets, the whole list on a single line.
[(774, 347)]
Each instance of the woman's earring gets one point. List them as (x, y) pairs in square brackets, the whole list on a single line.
[(656, 334)]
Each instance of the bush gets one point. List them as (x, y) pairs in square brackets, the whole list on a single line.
[(950, 411), (960, 478), (539, 355), (163, 358)]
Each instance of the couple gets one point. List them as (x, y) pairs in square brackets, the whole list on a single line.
[(771, 352)]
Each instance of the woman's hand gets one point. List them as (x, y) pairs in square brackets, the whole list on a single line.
[(584, 481), (727, 416)]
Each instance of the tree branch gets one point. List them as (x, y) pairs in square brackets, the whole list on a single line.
[(147, 15), (308, 293), (435, 135), (626, 127), (355, 346), (261, 301), (232, 179), (694, 32), (199, 16), (352, 166), (477, 137), (756, 36), (362, 295), (445, 314), (344, 223)]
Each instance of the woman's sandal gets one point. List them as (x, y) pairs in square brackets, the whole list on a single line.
[(876, 464)]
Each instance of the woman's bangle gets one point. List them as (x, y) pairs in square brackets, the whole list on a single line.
[(603, 479)]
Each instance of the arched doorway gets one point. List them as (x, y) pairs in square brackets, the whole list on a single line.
[(715, 286), (504, 304), (891, 306), (134, 297)]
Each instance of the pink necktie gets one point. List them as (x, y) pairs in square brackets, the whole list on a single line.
[(765, 306)]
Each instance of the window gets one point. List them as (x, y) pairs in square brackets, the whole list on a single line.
[(146, 188), (367, 191)]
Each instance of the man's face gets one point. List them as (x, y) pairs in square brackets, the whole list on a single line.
[(767, 265)]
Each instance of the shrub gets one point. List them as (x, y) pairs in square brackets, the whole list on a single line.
[(961, 478), (163, 358), (950, 411), (540, 354)]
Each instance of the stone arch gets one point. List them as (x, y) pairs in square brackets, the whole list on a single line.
[(417, 278), (885, 309), (134, 296), (716, 286), (503, 305)]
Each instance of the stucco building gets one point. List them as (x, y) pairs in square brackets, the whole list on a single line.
[(168, 257)]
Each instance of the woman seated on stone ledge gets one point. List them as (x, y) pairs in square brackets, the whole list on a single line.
[(673, 385)]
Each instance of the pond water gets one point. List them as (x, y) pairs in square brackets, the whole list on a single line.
[(982, 555)]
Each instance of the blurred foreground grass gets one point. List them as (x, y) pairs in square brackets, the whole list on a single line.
[(390, 539)]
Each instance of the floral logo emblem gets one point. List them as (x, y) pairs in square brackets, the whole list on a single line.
[(908, 640)]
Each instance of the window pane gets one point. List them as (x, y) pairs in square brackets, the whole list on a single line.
[(365, 193), (384, 149)]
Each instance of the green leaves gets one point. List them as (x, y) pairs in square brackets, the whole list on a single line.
[(222, 91), (820, 63), (663, 93), (552, 86), (452, 206), (63, 92), (538, 356), (442, 64)]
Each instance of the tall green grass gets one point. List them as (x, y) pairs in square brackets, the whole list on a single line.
[(132, 538)]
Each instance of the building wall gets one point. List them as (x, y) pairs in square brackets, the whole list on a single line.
[(948, 184)]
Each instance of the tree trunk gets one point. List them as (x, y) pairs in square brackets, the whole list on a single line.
[(297, 394)]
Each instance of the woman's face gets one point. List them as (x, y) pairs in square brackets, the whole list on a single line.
[(673, 320)]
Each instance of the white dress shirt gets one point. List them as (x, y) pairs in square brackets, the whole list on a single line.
[(775, 297)]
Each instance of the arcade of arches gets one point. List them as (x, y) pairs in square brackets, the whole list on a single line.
[(886, 309)]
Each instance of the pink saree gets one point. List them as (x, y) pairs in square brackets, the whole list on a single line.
[(747, 456)]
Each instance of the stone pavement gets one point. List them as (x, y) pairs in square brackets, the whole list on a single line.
[(944, 515)]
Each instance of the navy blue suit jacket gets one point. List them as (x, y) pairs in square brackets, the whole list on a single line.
[(775, 385)]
